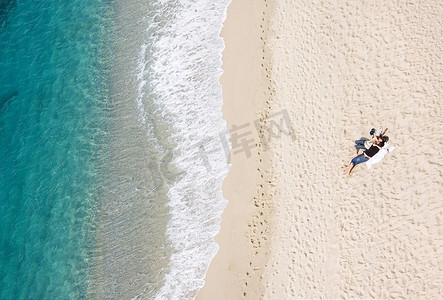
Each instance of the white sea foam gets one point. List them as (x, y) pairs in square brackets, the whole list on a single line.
[(180, 65)]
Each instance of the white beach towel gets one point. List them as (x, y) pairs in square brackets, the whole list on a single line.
[(379, 155)]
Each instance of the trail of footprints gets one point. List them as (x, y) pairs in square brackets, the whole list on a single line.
[(259, 227)]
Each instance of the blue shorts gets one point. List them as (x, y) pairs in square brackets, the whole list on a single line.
[(361, 158), (360, 144)]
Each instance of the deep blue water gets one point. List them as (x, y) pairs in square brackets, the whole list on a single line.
[(54, 65)]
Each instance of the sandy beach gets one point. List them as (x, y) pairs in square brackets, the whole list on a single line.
[(295, 227)]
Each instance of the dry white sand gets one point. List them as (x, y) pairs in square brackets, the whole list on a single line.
[(338, 68)]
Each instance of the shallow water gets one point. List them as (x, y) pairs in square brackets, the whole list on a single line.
[(53, 115), (111, 151)]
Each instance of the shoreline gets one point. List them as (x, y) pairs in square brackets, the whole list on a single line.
[(159, 121), (294, 226), (234, 270)]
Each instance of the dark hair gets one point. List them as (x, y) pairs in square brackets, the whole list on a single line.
[(386, 138)]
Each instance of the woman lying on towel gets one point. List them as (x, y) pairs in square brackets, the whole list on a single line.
[(364, 143), (366, 155)]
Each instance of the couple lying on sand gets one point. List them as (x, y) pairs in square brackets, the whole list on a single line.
[(371, 148)]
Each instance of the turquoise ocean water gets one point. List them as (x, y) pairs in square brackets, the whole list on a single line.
[(111, 161), (53, 116)]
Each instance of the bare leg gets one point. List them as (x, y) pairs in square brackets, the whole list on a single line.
[(350, 167), (347, 170)]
